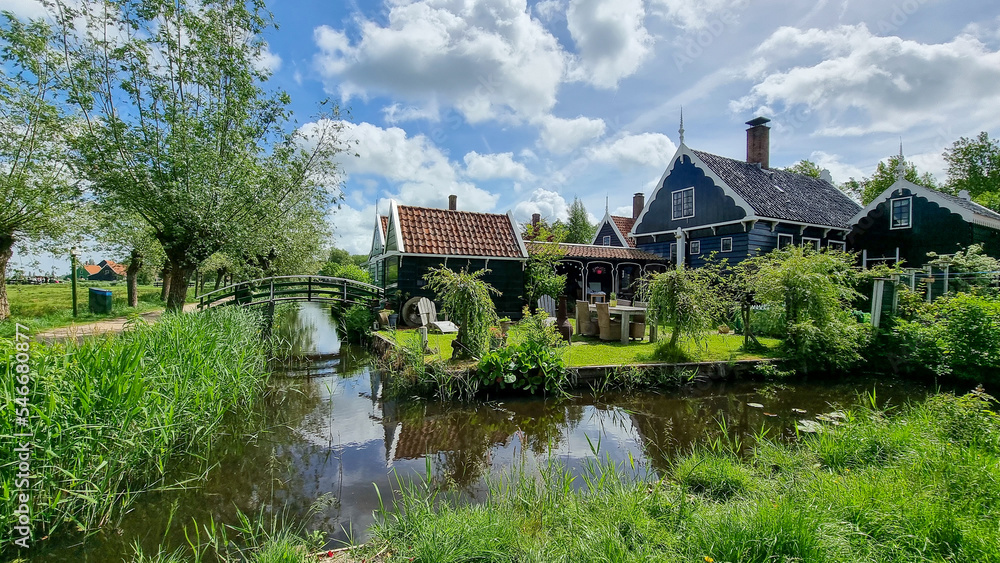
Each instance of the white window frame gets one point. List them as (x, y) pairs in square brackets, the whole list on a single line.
[(837, 245), (791, 240), (673, 213), (607, 240), (695, 247), (722, 244), (909, 218), (816, 243), (673, 250)]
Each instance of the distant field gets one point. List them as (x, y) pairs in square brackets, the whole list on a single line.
[(41, 307)]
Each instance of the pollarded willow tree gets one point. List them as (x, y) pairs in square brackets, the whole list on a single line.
[(180, 129), (36, 191), (469, 302), (687, 301)]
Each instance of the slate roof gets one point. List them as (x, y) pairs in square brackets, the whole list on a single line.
[(597, 251), (457, 233), (624, 225), (971, 206), (776, 194)]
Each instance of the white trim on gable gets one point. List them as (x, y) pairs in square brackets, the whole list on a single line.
[(614, 227), (932, 196), (683, 150), (394, 222), (517, 233)]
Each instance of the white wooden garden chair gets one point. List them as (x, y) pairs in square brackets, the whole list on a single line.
[(429, 317)]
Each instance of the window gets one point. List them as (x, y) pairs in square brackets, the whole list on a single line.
[(785, 240), (727, 244), (391, 271), (900, 213), (683, 204), (673, 250), (813, 242), (837, 245), (696, 247), (607, 241)]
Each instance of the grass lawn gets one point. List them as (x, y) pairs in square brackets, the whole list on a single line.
[(41, 307), (590, 351)]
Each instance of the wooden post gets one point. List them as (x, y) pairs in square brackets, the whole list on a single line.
[(877, 290), (309, 288), (423, 339)]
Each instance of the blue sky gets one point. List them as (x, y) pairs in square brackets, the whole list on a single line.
[(525, 105)]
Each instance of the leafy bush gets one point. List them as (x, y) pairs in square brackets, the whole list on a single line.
[(346, 271), (527, 366), (357, 322), (951, 336), (536, 328)]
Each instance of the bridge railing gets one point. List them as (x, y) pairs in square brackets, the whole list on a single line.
[(292, 288)]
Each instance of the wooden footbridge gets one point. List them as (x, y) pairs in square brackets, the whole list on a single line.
[(278, 289)]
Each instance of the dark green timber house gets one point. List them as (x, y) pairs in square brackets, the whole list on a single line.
[(907, 221), (409, 241)]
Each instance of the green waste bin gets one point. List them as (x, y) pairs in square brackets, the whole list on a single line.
[(100, 300)]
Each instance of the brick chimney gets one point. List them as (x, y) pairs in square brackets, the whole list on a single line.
[(638, 202), (452, 202), (535, 219), (758, 142)]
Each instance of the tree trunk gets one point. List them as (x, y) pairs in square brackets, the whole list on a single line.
[(132, 278), (178, 281), (219, 275), (165, 276), (6, 251)]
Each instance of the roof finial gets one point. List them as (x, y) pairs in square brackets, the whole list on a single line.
[(605, 204), (901, 165), (681, 130)]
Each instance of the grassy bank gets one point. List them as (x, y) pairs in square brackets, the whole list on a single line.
[(106, 415), (41, 307), (914, 485), (590, 351)]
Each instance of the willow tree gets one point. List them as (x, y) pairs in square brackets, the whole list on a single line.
[(180, 129), (36, 194)]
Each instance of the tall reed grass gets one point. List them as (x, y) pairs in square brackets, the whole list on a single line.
[(108, 415), (920, 484)]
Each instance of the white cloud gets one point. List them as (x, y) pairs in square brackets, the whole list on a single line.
[(932, 162), (397, 113), (645, 149), (550, 205), (562, 136), (420, 173), (840, 171), (487, 58), (859, 83), (610, 39), (689, 15), (27, 9), (549, 10), (267, 60), (491, 166), (353, 228)]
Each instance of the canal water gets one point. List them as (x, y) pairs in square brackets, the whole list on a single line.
[(324, 439)]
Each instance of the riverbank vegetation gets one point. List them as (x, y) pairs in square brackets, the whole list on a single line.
[(107, 415), (913, 484), (43, 307)]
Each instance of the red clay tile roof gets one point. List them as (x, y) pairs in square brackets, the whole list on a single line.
[(92, 268), (595, 251), (385, 223), (116, 267), (624, 225), (457, 233)]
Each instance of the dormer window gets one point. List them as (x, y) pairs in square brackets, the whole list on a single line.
[(682, 205), (901, 213), (607, 241)]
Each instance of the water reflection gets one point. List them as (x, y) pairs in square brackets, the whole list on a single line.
[(323, 434)]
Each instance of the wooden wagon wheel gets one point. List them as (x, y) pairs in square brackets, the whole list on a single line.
[(410, 313)]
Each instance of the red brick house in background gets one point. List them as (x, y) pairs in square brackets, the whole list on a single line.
[(105, 270)]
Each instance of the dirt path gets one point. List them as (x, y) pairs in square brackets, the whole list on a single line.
[(107, 326)]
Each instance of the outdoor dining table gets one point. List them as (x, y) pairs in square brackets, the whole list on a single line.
[(626, 313)]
